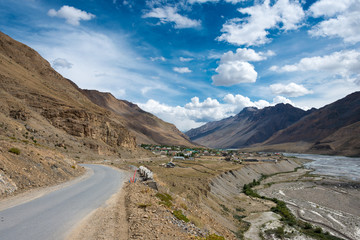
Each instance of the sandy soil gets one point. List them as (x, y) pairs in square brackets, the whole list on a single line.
[(330, 203), (257, 220)]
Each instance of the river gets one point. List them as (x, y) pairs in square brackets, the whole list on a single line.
[(337, 166)]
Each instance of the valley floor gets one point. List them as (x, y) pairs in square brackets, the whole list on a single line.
[(331, 203)]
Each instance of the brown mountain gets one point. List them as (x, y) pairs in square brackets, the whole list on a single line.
[(47, 122), (332, 129), (147, 128), (249, 127)]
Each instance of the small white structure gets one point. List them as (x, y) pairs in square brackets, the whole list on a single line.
[(145, 173)]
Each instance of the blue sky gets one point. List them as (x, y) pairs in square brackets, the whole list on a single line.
[(193, 61)]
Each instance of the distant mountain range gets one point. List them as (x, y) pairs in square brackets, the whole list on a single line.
[(332, 129)]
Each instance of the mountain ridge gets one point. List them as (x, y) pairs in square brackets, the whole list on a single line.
[(250, 126), (147, 128), (332, 129)]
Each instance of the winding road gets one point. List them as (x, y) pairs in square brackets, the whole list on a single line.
[(54, 215)]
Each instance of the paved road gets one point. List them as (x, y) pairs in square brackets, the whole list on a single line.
[(55, 214)]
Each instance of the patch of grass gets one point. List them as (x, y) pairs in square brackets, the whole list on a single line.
[(14, 151), (211, 237), (165, 199), (183, 206), (243, 227), (196, 220), (143, 205), (179, 215), (226, 209)]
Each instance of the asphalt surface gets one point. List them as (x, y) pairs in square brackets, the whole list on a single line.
[(54, 215)]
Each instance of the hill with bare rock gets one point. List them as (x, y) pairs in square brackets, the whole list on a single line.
[(332, 129), (147, 128), (249, 127), (44, 118)]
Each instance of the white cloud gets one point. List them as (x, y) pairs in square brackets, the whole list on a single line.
[(215, 1), (330, 8), (182, 69), (253, 29), (161, 58), (197, 113), (246, 55), (183, 59), (72, 15), (234, 1), (61, 63), (169, 15), (342, 19), (344, 63), (281, 99), (202, 1), (208, 103), (234, 68), (234, 72), (290, 90)]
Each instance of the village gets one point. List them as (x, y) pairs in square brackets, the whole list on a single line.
[(233, 155)]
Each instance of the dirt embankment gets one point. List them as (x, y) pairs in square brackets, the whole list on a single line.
[(230, 183), (25, 166)]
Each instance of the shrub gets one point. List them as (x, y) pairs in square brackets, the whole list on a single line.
[(239, 217), (226, 209), (143, 205), (14, 151), (165, 199), (214, 237), (179, 215)]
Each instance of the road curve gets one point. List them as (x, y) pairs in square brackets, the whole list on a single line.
[(54, 215)]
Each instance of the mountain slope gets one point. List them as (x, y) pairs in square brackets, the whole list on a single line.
[(147, 128), (46, 123), (249, 127), (332, 129)]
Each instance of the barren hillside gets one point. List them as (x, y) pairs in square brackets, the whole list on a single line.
[(46, 122), (147, 128)]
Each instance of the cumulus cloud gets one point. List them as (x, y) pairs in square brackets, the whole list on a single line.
[(234, 68), (196, 113), (169, 14), (234, 72), (182, 69), (290, 90), (61, 63), (208, 103), (344, 63), (253, 29), (72, 15), (342, 19)]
